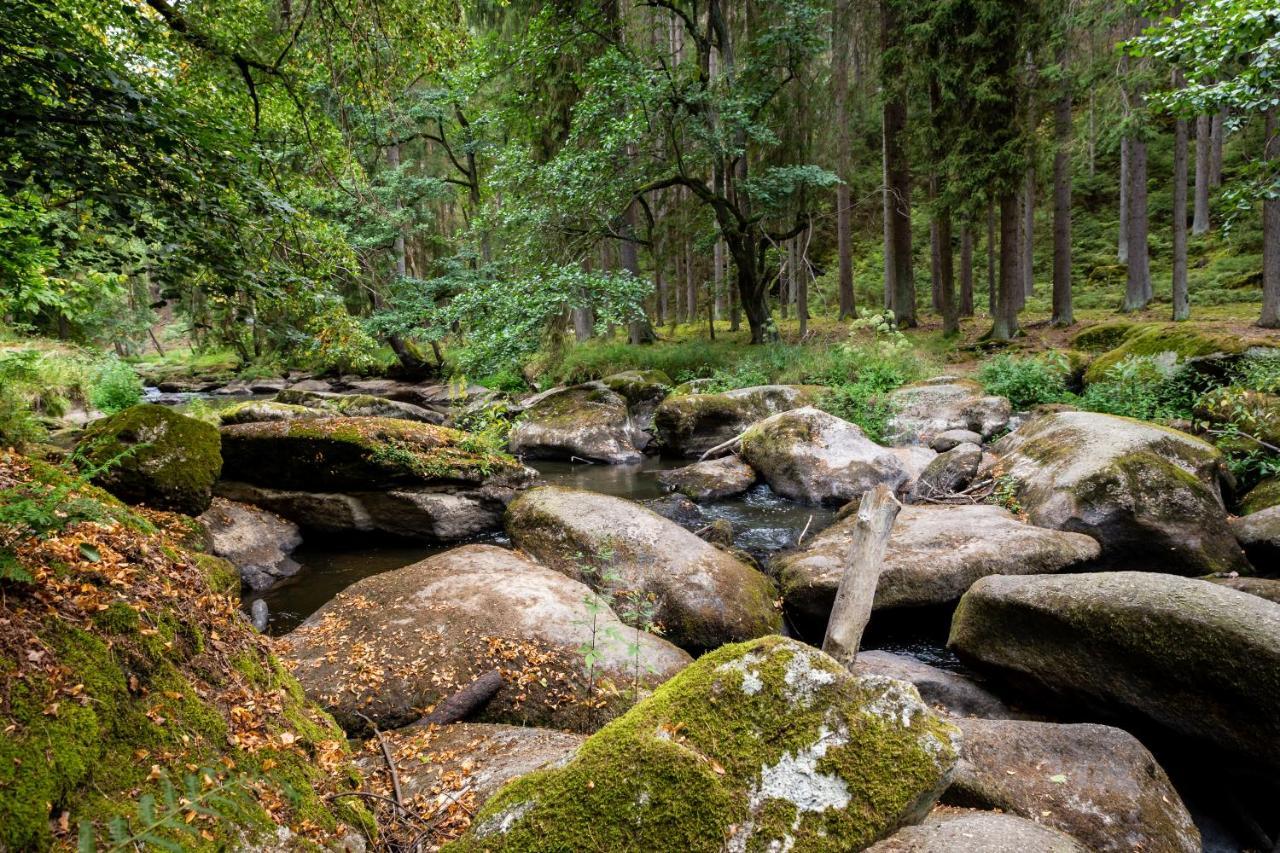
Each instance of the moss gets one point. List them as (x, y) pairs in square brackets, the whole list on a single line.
[(640, 386), (155, 456), (253, 411), (1156, 338), (684, 769), (1265, 494), (1102, 337), (221, 575)]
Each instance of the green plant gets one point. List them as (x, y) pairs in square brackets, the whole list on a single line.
[(115, 387), (177, 815), (1147, 387), (487, 430), (18, 424), (1260, 372), (1027, 381), (1004, 493)]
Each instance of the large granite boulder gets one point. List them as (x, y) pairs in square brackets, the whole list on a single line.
[(1096, 783), (951, 692), (1265, 494), (587, 422), (255, 541), (643, 390), (712, 480), (358, 406), (393, 645), (691, 424), (925, 410), (1145, 492), (947, 474), (811, 456), (1268, 588), (1259, 535), (767, 745), (1196, 658), (935, 553), (701, 596), (952, 831), (151, 455), (256, 411)]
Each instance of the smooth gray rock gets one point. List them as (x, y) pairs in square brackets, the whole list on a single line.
[(691, 424), (944, 441), (949, 473), (1259, 535), (925, 410), (587, 422), (954, 693), (255, 541), (1196, 658), (949, 831), (1096, 783), (712, 480)]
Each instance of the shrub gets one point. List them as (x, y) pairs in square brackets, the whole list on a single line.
[(1027, 381), (114, 387), (1147, 387)]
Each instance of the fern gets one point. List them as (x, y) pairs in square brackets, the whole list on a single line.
[(158, 822)]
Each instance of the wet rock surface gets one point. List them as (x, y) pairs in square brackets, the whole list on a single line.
[(712, 480), (691, 424), (588, 422), (255, 541)]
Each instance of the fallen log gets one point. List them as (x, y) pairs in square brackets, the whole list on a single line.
[(877, 511), (466, 701)]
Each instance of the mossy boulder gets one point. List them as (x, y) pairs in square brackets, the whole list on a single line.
[(690, 424), (1261, 496), (1102, 337), (1253, 412), (155, 456), (767, 745), (127, 664), (712, 480), (1096, 783), (393, 645), (357, 406), (950, 830), (954, 693), (640, 387), (588, 422), (935, 553), (1196, 658), (1180, 339), (339, 454), (925, 410), (1259, 534), (814, 457), (701, 596), (1149, 494), (256, 411)]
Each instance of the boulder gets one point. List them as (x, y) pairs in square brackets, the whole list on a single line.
[(256, 411), (1196, 658), (1177, 340), (915, 459), (152, 455), (1145, 492), (811, 456), (701, 596), (586, 421), (950, 691), (950, 831), (1265, 494), (944, 441), (358, 406), (766, 745), (691, 424), (1096, 783), (642, 389), (255, 541), (1268, 588), (393, 645), (948, 473), (311, 384), (925, 410), (1259, 535), (712, 480), (677, 508), (935, 553), (462, 763)]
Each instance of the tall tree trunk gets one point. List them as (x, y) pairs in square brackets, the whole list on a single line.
[(639, 331), (1181, 304), (1028, 233), (1122, 248), (801, 282), (690, 283), (1062, 312), (1005, 319), (935, 264), (991, 258), (947, 305), (717, 278), (966, 269), (841, 36), (1217, 136), (1204, 144), (897, 169), (1138, 287), (1270, 318), (404, 354)]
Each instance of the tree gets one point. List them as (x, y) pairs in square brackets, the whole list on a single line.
[(899, 271), (841, 47), (1181, 303), (1062, 132)]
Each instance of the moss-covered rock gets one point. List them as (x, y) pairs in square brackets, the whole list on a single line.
[(699, 595), (1182, 340), (1265, 494), (1145, 492), (337, 454), (1259, 534), (587, 422), (926, 409), (357, 406), (767, 745), (712, 480), (814, 457), (256, 411), (1102, 337), (126, 664), (393, 645), (691, 424), (640, 386), (152, 455), (1195, 658)]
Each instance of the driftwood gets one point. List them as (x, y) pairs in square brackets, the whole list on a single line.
[(730, 445), (389, 759), (876, 514), (466, 701)]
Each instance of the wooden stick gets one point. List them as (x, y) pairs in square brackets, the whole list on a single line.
[(466, 701), (386, 755), (849, 616), (723, 446)]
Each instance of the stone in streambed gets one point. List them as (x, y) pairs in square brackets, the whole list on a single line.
[(691, 424), (926, 410), (712, 480), (1259, 535), (952, 831), (949, 473), (255, 541), (585, 422), (954, 693)]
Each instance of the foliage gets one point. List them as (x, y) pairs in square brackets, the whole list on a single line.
[(1027, 382), (217, 796), (115, 387), (1148, 387)]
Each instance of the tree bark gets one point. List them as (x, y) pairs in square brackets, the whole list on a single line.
[(947, 304), (800, 280), (1005, 325), (1216, 136), (1138, 287), (1181, 304), (1270, 318), (1028, 234), (877, 511), (896, 168), (466, 702), (966, 269), (1122, 248), (991, 259), (1203, 146), (717, 278), (1062, 310), (841, 22)]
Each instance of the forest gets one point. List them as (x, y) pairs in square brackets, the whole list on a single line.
[(691, 425)]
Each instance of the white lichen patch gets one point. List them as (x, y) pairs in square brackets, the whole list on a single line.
[(804, 680), (502, 822), (896, 701), (746, 666)]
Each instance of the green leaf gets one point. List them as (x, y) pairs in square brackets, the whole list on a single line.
[(90, 552)]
